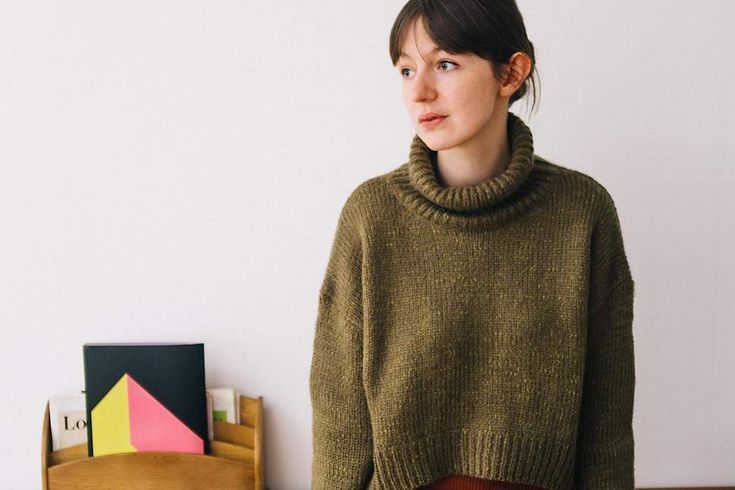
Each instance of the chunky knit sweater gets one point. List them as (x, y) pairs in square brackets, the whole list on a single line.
[(482, 331)]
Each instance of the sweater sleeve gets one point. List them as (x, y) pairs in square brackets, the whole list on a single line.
[(342, 435), (605, 447)]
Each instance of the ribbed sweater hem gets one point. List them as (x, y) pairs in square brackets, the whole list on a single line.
[(510, 457)]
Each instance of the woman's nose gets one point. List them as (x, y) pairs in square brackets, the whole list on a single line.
[(423, 88)]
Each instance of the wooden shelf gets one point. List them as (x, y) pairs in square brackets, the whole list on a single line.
[(235, 461)]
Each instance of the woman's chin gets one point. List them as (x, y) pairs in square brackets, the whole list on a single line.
[(435, 141)]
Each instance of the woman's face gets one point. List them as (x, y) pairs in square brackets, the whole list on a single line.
[(460, 87)]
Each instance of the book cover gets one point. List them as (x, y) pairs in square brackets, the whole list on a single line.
[(145, 397), (224, 406), (68, 421)]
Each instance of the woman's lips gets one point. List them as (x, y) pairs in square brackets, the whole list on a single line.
[(432, 123)]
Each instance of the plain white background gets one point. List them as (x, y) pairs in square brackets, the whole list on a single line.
[(173, 171)]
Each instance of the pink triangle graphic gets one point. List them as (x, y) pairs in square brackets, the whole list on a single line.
[(154, 428)]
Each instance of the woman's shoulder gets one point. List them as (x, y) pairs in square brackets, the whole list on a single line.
[(366, 204), (571, 181), (372, 194)]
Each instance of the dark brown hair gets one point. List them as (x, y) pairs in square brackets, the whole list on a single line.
[(491, 29)]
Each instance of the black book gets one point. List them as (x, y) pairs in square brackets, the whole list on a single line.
[(145, 397)]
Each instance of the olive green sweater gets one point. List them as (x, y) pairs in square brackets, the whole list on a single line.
[(482, 330)]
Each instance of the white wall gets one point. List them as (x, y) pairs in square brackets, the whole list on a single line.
[(174, 171)]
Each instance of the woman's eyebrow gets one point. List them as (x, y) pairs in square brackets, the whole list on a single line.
[(405, 55)]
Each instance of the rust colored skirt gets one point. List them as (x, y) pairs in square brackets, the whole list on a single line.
[(463, 482)]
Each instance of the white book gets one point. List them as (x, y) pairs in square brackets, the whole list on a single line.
[(68, 421), (223, 405), (237, 407), (210, 427)]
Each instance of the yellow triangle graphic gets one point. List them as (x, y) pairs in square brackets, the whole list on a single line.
[(111, 421)]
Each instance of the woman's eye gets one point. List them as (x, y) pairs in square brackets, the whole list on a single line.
[(444, 62), (405, 71)]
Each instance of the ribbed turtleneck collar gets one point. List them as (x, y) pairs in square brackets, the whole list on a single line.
[(489, 202)]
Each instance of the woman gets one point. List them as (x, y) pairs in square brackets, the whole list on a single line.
[(475, 318)]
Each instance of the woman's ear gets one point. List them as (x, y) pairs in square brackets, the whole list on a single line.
[(515, 73)]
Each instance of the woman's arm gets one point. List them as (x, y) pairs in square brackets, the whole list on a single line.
[(605, 447), (342, 436)]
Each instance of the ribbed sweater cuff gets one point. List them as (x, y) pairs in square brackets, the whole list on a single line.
[(508, 457)]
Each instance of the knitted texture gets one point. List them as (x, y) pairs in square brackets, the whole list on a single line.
[(482, 331)]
